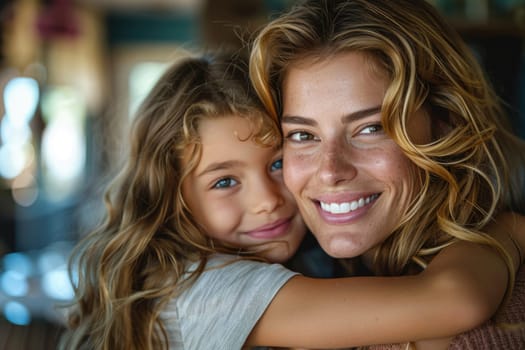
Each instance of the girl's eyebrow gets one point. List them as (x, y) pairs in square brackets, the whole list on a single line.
[(216, 166), (294, 119)]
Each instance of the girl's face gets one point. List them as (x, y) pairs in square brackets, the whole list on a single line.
[(237, 192), (351, 181)]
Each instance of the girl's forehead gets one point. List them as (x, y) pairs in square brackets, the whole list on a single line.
[(238, 128), (229, 143)]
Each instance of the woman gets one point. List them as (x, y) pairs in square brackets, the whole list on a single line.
[(395, 145)]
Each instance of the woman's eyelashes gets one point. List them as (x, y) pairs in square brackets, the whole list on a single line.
[(299, 136), (371, 129)]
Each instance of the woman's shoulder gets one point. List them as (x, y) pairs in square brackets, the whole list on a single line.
[(506, 330)]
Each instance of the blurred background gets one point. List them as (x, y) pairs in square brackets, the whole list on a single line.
[(72, 73)]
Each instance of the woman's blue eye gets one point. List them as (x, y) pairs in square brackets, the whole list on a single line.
[(225, 183), (277, 165)]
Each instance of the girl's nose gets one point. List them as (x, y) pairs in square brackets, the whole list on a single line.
[(267, 195)]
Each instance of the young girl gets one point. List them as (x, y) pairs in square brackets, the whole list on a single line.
[(178, 263)]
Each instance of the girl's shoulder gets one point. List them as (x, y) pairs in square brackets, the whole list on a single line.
[(221, 307)]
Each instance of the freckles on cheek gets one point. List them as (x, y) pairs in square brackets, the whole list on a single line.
[(295, 162), (388, 163), (394, 165)]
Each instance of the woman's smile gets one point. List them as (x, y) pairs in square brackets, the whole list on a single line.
[(347, 207)]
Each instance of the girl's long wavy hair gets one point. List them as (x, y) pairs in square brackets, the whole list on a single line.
[(131, 265), (465, 178)]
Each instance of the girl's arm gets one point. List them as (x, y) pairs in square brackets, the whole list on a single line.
[(461, 288)]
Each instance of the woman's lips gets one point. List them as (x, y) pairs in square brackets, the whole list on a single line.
[(342, 212), (347, 207), (276, 229)]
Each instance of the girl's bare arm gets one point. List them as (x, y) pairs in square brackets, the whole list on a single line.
[(461, 288)]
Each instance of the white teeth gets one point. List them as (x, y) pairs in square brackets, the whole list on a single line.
[(346, 207)]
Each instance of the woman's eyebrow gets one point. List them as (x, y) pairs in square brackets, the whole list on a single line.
[(361, 114), (294, 119)]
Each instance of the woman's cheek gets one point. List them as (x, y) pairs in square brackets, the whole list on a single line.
[(296, 167)]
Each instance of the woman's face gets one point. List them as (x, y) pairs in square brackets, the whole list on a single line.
[(352, 182)]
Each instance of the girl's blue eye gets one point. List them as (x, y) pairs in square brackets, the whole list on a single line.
[(225, 183), (277, 165)]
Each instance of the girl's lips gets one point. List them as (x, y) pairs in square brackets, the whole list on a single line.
[(273, 230)]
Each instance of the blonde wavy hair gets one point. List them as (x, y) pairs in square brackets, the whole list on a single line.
[(130, 266), (465, 178)]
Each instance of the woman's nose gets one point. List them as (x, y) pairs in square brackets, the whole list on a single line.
[(336, 164)]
